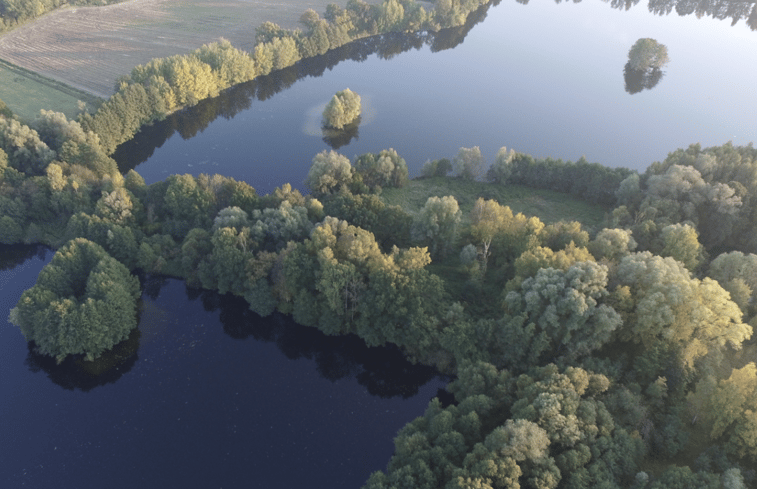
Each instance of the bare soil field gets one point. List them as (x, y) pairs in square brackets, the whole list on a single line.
[(89, 48)]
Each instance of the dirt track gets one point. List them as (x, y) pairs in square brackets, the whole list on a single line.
[(89, 48)]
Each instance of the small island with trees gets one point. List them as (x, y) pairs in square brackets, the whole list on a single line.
[(648, 54), (343, 109), (643, 71)]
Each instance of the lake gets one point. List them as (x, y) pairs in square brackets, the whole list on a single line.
[(204, 394), (544, 78), (209, 395)]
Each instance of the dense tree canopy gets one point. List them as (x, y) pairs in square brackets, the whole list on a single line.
[(385, 169), (84, 302), (555, 293)]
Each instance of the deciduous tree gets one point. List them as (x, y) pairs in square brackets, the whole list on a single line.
[(84, 302), (436, 225), (344, 108)]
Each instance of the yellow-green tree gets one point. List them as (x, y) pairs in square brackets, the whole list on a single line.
[(667, 305), (343, 109)]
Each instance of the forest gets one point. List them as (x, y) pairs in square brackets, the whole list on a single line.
[(613, 357)]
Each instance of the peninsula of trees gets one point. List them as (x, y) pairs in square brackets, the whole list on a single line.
[(613, 357)]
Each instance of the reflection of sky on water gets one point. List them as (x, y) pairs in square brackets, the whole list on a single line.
[(542, 78)]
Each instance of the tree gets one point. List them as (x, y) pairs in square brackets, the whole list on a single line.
[(272, 229), (561, 234), (667, 306), (469, 163), (681, 241), (4, 110), (343, 109), (436, 168), (55, 129), (25, 150), (534, 259), (488, 219), (437, 225), (612, 244), (385, 169), (328, 173), (737, 273), (84, 302), (230, 217), (187, 201), (567, 306), (116, 206), (500, 170), (10, 231), (230, 65), (648, 54), (391, 15)]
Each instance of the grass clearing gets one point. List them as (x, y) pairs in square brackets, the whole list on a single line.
[(547, 205), (26, 93)]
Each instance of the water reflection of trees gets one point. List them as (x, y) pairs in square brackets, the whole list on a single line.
[(191, 121), (383, 371), (336, 138), (12, 256), (638, 80), (734, 10), (76, 373)]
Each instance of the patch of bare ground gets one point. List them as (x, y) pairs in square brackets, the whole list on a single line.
[(89, 48)]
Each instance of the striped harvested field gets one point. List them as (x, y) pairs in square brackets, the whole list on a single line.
[(89, 48)]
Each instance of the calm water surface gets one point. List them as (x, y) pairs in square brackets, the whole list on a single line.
[(207, 394), (543, 78)]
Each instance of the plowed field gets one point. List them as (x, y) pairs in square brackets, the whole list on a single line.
[(89, 48)]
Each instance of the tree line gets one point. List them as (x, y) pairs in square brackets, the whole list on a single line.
[(239, 97), (164, 85)]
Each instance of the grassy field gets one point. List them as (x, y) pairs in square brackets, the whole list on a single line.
[(546, 205), (88, 48), (26, 93)]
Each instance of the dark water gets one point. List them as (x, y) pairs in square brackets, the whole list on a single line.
[(544, 78), (205, 394)]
